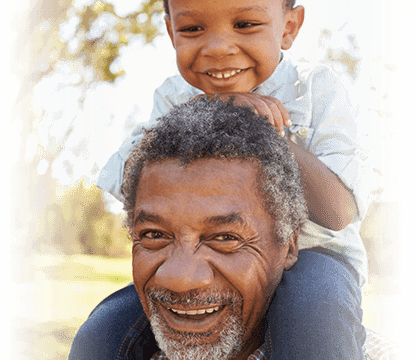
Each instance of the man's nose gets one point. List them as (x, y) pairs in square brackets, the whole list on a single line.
[(219, 45), (184, 271)]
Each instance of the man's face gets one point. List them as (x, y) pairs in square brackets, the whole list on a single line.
[(227, 46), (205, 263)]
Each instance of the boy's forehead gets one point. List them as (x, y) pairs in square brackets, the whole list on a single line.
[(228, 2)]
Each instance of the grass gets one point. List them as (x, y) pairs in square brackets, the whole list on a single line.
[(58, 296)]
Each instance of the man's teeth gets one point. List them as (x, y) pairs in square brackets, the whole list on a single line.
[(223, 74), (195, 312)]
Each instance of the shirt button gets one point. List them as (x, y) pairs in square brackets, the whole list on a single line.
[(302, 131)]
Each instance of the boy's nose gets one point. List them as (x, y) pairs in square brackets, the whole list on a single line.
[(184, 271), (219, 45)]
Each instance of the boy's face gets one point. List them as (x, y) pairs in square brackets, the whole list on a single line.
[(227, 46)]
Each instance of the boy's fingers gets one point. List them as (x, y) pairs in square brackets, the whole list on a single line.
[(285, 114), (277, 117), (244, 100), (266, 106), (263, 109)]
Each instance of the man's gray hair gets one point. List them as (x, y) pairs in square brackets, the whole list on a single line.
[(204, 129)]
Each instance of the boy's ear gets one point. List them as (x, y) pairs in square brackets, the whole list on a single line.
[(169, 29), (293, 23)]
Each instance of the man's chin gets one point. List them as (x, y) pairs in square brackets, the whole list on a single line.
[(218, 344)]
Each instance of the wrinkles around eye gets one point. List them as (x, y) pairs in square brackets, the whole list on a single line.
[(152, 235), (226, 237)]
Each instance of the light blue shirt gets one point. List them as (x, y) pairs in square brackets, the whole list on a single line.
[(324, 122)]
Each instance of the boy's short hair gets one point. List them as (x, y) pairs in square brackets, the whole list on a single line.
[(289, 5)]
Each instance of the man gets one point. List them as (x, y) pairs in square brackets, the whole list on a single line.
[(214, 206)]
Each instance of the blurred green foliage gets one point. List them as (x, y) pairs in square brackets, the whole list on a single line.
[(38, 46), (74, 223), (77, 221)]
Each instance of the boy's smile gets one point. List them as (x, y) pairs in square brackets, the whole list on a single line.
[(230, 45)]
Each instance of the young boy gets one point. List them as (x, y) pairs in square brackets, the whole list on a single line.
[(233, 48)]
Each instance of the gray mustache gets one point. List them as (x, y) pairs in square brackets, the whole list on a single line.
[(194, 298)]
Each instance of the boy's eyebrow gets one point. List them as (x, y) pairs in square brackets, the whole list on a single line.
[(250, 8), (232, 11)]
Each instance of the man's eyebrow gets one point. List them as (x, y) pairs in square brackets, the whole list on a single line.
[(145, 217), (225, 219)]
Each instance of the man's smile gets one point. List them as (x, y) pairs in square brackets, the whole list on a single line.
[(195, 311), (193, 320)]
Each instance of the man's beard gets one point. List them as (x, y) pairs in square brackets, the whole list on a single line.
[(196, 346)]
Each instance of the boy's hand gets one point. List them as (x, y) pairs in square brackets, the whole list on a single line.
[(267, 106)]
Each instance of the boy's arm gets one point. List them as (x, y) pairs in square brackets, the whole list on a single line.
[(330, 203), (173, 91)]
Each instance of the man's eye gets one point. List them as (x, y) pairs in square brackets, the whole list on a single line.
[(152, 235), (225, 237), (245, 25)]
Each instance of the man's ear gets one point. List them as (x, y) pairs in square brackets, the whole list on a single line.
[(169, 29), (292, 253), (293, 23)]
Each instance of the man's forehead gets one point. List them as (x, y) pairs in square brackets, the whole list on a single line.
[(227, 190), (171, 170)]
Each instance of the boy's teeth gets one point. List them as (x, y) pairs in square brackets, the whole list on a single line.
[(195, 312), (223, 74)]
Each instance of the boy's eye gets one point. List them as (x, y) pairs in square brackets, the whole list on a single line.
[(245, 25), (191, 29)]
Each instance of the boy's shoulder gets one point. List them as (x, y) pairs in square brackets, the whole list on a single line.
[(177, 86), (307, 71), (317, 79)]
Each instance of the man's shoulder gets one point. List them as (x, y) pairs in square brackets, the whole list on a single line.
[(111, 327)]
